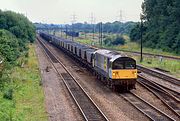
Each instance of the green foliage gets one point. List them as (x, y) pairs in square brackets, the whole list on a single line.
[(17, 24), (8, 94), (4, 79), (135, 33), (162, 23), (8, 46), (114, 40)]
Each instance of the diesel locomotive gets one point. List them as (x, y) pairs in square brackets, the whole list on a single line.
[(117, 70)]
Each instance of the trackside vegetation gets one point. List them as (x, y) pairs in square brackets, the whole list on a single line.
[(161, 23), (21, 97)]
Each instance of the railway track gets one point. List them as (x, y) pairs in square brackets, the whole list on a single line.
[(146, 108), (159, 75), (87, 107), (171, 101), (152, 112), (138, 53), (153, 55)]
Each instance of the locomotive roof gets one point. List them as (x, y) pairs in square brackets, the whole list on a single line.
[(110, 54), (89, 49)]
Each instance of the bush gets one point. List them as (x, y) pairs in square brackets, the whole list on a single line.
[(8, 94), (8, 46), (114, 40), (119, 40)]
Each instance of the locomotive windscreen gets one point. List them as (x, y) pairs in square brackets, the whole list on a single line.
[(124, 63)]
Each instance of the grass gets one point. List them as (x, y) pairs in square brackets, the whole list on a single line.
[(85, 41), (170, 65), (28, 98), (130, 46)]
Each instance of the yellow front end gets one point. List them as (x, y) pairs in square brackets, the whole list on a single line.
[(124, 74)]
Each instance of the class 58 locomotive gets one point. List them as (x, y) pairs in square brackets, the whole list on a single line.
[(118, 69)]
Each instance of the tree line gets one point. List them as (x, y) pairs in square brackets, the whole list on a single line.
[(161, 25), (114, 27)]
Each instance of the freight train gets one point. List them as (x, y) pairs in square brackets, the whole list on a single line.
[(72, 33), (116, 70)]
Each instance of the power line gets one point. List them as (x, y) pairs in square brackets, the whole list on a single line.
[(73, 18), (92, 21), (120, 16)]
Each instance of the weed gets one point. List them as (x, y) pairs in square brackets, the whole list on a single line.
[(8, 94)]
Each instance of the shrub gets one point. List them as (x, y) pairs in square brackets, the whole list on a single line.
[(114, 40), (8, 94)]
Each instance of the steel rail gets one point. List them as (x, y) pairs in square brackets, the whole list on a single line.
[(159, 75), (146, 108), (167, 98)]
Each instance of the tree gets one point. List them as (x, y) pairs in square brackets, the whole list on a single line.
[(162, 23), (17, 24)]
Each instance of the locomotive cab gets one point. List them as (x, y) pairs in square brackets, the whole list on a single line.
[(124, 68)]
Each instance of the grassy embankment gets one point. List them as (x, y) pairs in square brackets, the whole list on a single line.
[(27, 103)]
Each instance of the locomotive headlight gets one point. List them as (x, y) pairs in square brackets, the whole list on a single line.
[(114, 74), (133, 72)]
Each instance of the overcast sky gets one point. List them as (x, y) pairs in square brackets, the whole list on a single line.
[(61, 11)]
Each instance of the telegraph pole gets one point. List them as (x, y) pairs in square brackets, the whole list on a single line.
[(92, 23), (66, 31), (61, 30), (100, 33), (141, 17), (73, 21)]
